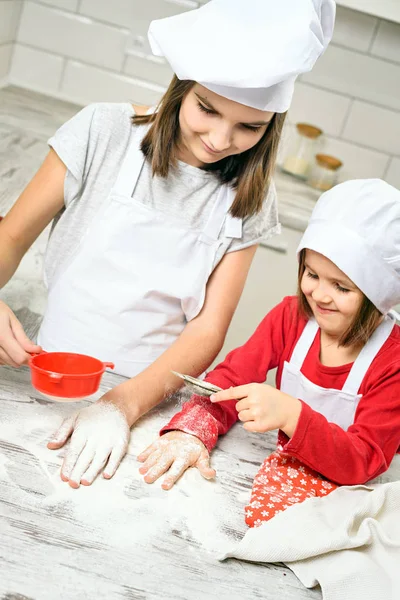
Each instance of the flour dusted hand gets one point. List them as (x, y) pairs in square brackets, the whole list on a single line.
[(173, 453), (15, 346), (100, 437)]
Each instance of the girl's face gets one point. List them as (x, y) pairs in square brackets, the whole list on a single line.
[(213, 127), (333, 298)]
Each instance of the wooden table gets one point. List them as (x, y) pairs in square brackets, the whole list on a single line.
[(122, 538)]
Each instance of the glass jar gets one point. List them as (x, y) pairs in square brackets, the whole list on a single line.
[(302, 150), (324, 172)]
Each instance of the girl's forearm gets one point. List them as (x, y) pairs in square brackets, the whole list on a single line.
[(191, 353), (10, 257)]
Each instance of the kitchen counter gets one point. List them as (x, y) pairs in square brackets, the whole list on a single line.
[(123, 538)]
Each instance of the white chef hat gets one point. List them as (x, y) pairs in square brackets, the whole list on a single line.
[(357, 226), (249, 51)]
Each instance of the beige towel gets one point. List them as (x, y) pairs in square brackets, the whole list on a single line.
[(348, 542)]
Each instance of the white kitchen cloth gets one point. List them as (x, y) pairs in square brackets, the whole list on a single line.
[(348, 542)]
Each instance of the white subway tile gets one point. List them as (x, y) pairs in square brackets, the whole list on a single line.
[(393, 173), (324, 109), (5, 59), (144, 67), (133, 14), (374, 126), (84, 84), (358, 162), (387, 41), (72, 35), (358, 75), (353, 29), (9, 17), (70, 5), (36, 69)]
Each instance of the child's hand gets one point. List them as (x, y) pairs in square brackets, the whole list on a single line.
[(262, 407), (100, 437), (175, 452)]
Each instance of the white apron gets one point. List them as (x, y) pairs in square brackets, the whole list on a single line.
[(136, 277), (338, 406)]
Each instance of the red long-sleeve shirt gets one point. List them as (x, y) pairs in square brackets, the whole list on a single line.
[(349, 457)]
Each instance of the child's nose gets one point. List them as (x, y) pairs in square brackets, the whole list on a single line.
[(320, 294), (220, 139)]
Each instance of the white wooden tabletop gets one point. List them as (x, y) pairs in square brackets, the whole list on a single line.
[(122, 538)]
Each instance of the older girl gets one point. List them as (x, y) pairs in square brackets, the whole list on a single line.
[(157, 213)]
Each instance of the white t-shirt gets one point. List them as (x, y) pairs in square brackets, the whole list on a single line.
[(92, 145)]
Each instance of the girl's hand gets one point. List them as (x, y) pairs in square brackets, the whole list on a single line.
[(15, 346), (262, 407), (175, 452), (100, 438)]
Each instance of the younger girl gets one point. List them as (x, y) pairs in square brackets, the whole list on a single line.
[(337, 350), (157, 214)]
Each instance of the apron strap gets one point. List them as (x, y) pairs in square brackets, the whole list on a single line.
[(304, 344), (132, 164), (233, 225), (220, 214), (367, 355)]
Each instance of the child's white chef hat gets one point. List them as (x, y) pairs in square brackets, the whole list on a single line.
[(249, 51), (357, 226)]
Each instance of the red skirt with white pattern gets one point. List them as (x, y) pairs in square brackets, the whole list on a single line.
[(281, 482)]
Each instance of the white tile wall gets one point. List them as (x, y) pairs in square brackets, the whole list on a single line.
[(134, 14), (71, 5), (36, 68), (105, 86), (5, 60), (387, 41), (96, 50), (72, 35), (393, 172), (373, 125), (354, 29), (9, 16), (357, 75), (327, 109), (9, 19), (149, 68)]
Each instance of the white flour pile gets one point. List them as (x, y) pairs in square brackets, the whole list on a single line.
[(124, 510)]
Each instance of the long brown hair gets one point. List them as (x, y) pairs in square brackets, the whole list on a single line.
[(364, 323), (249, 173)]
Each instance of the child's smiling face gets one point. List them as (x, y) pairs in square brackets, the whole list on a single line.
[(333, 298), (213, 127)]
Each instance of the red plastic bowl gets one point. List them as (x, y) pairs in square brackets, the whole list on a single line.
[(64, 375)]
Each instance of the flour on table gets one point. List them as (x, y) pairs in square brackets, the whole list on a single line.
[(121, 511)]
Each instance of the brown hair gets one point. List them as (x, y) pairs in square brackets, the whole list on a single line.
[(249, 173), (364, 323)]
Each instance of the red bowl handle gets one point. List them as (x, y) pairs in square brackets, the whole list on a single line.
[(109, 365)]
